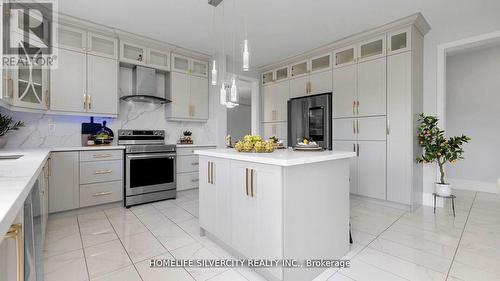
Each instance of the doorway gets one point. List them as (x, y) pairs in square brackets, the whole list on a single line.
[(471, 102)]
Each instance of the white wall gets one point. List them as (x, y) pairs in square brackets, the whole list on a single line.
[(448, 27), (239, 120), (473, 109)]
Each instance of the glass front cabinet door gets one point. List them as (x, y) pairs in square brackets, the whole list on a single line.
[(132, 53), (103, 46), (199, 68), (180, 63), (30, 85), (159, 59), (399, 41), (345, 56)]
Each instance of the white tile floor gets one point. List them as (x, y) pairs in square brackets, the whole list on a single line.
[(389, 244)]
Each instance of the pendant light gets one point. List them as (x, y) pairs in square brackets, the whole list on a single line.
[(214, 63), (214, 73), (246, 56)]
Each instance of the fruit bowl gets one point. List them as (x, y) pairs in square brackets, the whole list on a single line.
[(254, 144)]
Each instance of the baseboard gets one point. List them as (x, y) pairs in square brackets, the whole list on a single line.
[(382, 202), (482, 186)]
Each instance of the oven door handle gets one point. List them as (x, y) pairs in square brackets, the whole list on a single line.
[(152, 155)]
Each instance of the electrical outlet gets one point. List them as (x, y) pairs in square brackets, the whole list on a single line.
[(52, 128)]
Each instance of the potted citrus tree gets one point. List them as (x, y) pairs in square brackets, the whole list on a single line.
[(439, 149)]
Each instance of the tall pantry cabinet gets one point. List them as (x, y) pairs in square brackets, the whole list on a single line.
[(376, 80), (377, 99)]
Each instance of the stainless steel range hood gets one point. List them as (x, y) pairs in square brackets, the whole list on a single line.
[(144, 86)]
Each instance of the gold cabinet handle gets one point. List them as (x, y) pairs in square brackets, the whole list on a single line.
[(354, 107), (357, 149), (213, 172), (15, 232), (357, 126), (357, 106), (90, 101), (246, 182), (100, 172), (208, 172), (195, 163), (85, 101), (252, 193), (353, 147), (354, 126), (195, 180), (388, 127), (102, 193), (102, 155)]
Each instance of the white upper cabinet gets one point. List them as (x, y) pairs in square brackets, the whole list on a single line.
[(344, 91), (275, 99), (345, 56), (399, 41), (180, 63), (320, 63), (199, 68), (320, 82), (87, 42), (189, 96), (103, 46), (299, 69), (371, 88), (282, 73), (372, 49), (102, 85), (267, 77), (159, 59), (132, 53), (136, 54), (198, 108), (72, 38)]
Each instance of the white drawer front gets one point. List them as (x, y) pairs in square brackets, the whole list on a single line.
[(187, 181), (190, 150), (100, 193), (186, 164), (96, 155), (101, 171)]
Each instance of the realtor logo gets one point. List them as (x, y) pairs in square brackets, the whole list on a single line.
[(28, 33)]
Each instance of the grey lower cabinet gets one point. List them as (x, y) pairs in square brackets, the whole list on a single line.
[(187, 166), (64, 182), (85, 178)]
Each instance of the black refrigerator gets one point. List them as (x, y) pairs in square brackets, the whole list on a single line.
[(310, 117)]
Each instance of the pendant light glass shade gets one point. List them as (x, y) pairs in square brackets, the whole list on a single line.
[(246, 56), (223, 94), (214, 73), (234, 91)]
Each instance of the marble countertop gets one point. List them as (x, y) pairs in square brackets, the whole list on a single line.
[(17, 177), (283, 157)]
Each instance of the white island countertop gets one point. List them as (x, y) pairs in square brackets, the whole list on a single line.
[(17, 177), (280, 157)]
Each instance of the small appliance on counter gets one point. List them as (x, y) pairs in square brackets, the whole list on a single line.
[(96, 134)]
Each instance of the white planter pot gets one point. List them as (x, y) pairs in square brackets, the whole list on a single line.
[(3, 141), (443, 189)]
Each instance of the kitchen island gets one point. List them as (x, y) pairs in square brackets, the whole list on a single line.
[(285, 205)]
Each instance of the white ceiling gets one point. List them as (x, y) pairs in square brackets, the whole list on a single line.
[(276, 28)]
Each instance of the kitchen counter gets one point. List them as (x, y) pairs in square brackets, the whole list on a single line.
[(17, 177), (84, 148), (194, 145), (280, 157)]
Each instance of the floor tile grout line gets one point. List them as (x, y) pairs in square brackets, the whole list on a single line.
[(168, 251), (83, 248), (461, 235), (125, 249)]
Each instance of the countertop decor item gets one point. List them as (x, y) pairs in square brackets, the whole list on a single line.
[(254, 143), (7, 124), (186, 138), (439, 149)]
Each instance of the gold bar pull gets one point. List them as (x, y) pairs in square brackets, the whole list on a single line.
[(353, 147), (354, 107), (388, 127), (102, 155), (246, 181), (84, 101), (213, 172), (357, 126), (90, 101), (357, 150), (208, 171), (195, 164), (251, 183), (103, 193), (354, 126), (357, 107), (106, 171), (15, 232)]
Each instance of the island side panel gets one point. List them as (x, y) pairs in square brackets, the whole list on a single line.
[(316, 214)]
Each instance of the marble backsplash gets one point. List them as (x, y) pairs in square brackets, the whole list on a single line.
[(45, 131)]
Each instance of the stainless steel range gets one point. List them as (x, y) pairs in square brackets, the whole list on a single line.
[(149, 166)]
